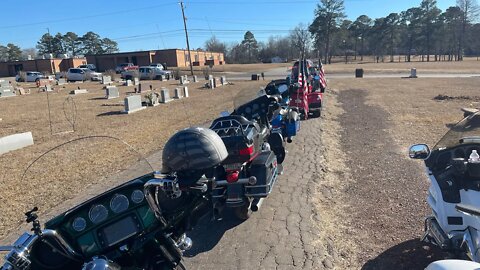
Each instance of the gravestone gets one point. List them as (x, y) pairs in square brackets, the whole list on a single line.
[(210, 77), (255, 77), (47, 88), (211, 83), (164, 95), (178, 93), (139, 88), (15, 141), (217, 82), (43, 82), (7, 92), (111, 92), (413, 73), (78, 91), (195, 78), (61, 81), (133, 104), (223, 80), (136, 81), (163, 78), (184, 80), (22, 91), (185, 92), (106, 79), (128, 83)]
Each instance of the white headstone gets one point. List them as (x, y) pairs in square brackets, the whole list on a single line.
[(48, 88), (78, 91), (128, 83), (185, 92), (4, 84), (211, 83), (136, 81), (195, 78), (106, 79), (164, 95), (15, 141), (133, 104), (111, 92), (178, 93), (223, 80), (6, 92)]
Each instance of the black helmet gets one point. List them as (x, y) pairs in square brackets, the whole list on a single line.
[(193, 149)]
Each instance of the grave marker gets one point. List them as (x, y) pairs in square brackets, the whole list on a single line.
[(223, 80), (185, 92), (111, 92), (78, 91), (136, 81), (195, 78), (61, 81), (133, 104), (211, 83), (178, 93), (128, 83), (7, 92), (106, 79), (164, 95)]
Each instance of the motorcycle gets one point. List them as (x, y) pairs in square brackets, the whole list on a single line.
[(250, 171), (138, 224), (453, 168), (287, 120), (303, 96)]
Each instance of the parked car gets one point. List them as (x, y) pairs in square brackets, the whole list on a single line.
[(157, 65), (125, 66), (83, 74), (146, 73), (30, 76), (92, 67)]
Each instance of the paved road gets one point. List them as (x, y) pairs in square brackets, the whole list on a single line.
[(282, 234)]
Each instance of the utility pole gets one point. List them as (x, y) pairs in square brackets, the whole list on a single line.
[(186, 35), (51, 50)]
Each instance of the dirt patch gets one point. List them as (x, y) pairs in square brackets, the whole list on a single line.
[(447, 98)]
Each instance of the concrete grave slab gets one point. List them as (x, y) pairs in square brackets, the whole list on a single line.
[(7, 92), (111, 92), (61, 81), (136, 81), (128, 83), (106, 79), (133, 104), (185, 92), (15, 141), (195, 78)]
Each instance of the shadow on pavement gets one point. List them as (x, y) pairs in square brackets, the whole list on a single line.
[(208, 232), (411, 254)]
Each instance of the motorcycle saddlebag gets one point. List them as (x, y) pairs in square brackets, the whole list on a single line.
[(264, 168)]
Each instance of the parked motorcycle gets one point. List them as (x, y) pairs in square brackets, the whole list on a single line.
[(453, 168), (250, 171), (287, 120), (118, 229)]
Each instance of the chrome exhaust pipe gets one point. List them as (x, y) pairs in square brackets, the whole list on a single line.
[(256, 204)]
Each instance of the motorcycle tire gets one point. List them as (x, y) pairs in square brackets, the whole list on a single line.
[(242, 212), (316, 114)]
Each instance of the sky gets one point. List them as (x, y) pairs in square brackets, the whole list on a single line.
[(147, 25)]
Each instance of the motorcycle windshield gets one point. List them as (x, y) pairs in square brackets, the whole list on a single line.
[(77, 170), (467, 129), (247, 95)]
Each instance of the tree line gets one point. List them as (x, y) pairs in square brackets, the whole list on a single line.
[(424, 31), (69, 43)]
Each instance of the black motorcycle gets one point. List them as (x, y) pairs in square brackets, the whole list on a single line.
[(251, 169), (118, 229)]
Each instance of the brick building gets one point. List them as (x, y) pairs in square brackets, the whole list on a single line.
[(172, 57), (49, 66)]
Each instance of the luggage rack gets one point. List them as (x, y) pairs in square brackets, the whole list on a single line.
[(229, 127)]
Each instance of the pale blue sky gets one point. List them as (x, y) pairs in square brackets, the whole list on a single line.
[(144, 25)]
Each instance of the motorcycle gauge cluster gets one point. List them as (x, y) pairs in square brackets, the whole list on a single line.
[(137, 196), (119, 203)]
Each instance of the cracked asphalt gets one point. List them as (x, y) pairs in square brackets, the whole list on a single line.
[(284, 233)]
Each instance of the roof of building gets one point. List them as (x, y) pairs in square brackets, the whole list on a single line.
[(142, 52)]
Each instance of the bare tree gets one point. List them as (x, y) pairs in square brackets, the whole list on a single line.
[(301, 38)]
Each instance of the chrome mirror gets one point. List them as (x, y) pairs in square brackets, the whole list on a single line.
[(419, 151)]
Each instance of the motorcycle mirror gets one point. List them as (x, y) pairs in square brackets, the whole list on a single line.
[(419, 151), (468, 209)]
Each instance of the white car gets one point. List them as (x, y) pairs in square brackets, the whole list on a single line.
[(30, 76), (83, 74)]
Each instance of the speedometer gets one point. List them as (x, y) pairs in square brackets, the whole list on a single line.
[(119, 203), (137, 196), (98, 213)]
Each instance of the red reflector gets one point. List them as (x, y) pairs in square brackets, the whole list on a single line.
[(232, 176), (246, 151)]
